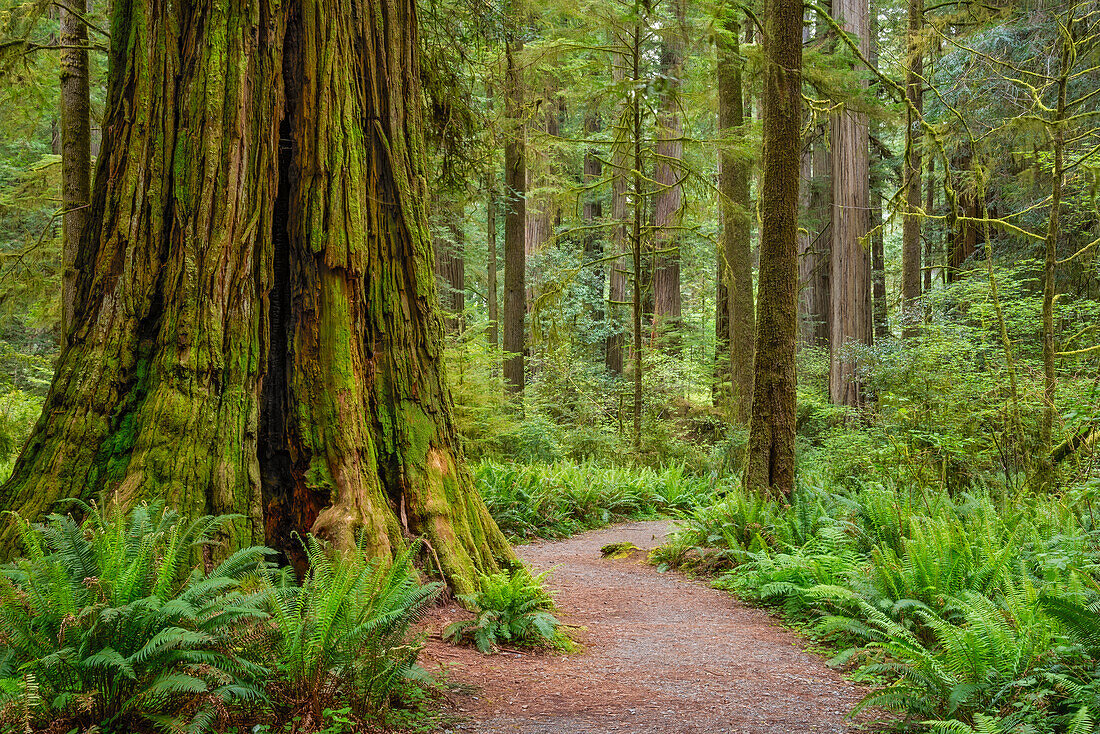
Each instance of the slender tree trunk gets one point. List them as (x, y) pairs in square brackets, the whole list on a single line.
[(637, 198), (591, 214), (879, 312), (735, 259), (880, 315), (1050, 263), (76, 150), (850, 276), (492, 333), (617, 273), (668, 199), (542, 211), (930, 208), (769, 461), (450, 267), (515, 214), (910, 235), (963, 237), (233, 352), (816, 254)]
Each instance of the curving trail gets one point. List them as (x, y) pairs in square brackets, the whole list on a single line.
[(662, 654)]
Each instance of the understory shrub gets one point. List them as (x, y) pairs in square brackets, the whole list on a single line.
[(115, 624), (107, 624), (557, 500), (511, 608), (342, 638), (970, 612)]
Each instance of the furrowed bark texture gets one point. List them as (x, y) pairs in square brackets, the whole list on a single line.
[(492, 334), (515, 213), (816, 252), (617, 273), (736, 344), (879, 312), (157, 393), (591, 214), (930, 208), (257, 331), (76, 150), (850, 264), (910, 235), (769, 460), (668, 199)]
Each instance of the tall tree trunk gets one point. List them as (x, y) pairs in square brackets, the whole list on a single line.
[(735, 256), (450, 266), (1050, 260), (492, 334), (930, 208), (233, 352), (816, 253), (880, 315), (591, 214), (515, 214), (910, 234), (769, 461), (963, 237), (637, 197), (76, 150), (541, 207), (850, 273), (668, 171), (879, 312), (617, 273)]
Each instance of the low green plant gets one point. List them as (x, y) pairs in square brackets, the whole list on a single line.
[(557, 500), (511, 608), (343, 636), (105, 623)]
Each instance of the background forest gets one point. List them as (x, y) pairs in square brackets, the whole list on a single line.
[(595, 173)]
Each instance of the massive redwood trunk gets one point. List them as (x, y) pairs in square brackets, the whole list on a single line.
[(256, 330)]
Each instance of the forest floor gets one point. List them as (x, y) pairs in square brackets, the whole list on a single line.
[(662, 653)]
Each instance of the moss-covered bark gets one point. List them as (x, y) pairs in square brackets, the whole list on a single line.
[(769, 458), (256, 330)]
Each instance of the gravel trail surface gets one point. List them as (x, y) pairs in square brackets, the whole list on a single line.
[(662, 654)]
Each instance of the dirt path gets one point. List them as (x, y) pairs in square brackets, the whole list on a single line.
[(662, 654)]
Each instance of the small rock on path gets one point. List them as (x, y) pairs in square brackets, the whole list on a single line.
[(662, 654)]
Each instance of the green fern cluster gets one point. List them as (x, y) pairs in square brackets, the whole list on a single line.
[(970, 612), (344, 634), (107, 624), (557, 500), (511, 608), (110, 624)]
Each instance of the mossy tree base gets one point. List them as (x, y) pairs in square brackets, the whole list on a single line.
[(255, 330)]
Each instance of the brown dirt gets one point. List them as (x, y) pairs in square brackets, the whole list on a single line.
[(662, 654)]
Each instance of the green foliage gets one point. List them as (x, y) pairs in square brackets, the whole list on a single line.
[(105, 623), (511, 608), (973, 612), (561, 499), (343, 636)]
